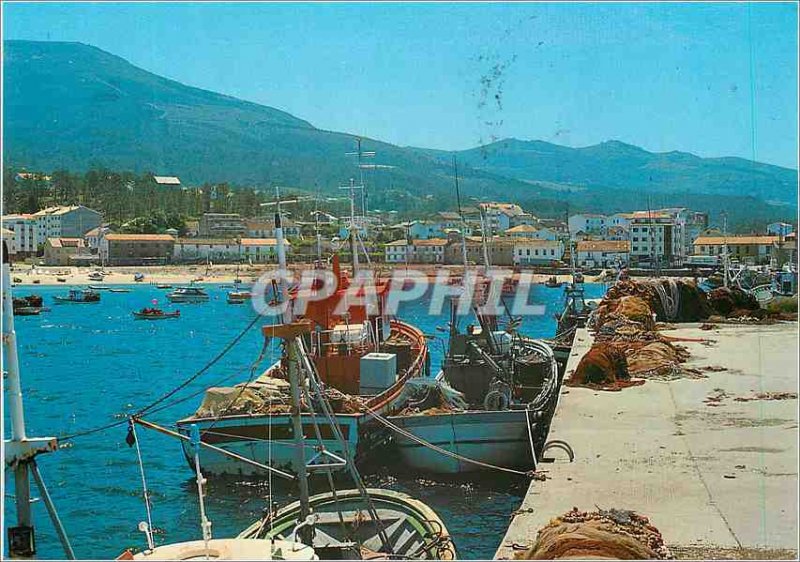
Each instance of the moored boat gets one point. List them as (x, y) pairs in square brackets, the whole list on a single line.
[(553, 282), (188, 294), (155, 314), (31, 305), (78, 296), (99, 287), (238, 297)]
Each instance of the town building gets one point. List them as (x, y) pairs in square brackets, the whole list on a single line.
[(656, 237), (221, 225), (529, 231), (398, 251), (602, 253), (263, 227), (780, 228), (499, 249), (66, 221), (589, 223), (750, 249), (25, 242), (8, 238), (424, 230), (167, 181), (137, 249), (537, 252), (66, 251), (228, 250), (498, 216), (94, 240)]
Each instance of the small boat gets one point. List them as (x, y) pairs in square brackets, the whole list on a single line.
[(239, 297), (78, 296), (99, 287), (577, 277), (61, 279), (120, 290), (96, 276), (35, 281), (17, 280), (188, 294), (344, 529), (553, 282), (138, 277), (163, 286), (27, 311), (155, 314)]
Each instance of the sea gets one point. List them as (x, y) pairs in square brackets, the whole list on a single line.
[(84, 366)]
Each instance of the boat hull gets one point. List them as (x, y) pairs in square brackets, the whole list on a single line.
[(249, 437), (166, 316), (187, 299), (499, 438)]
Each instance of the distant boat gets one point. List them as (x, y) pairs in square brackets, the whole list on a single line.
[(163, 286), (239, 297), (99, 287), (553, 282), (155, 314), (188, 294), (118, 290), (28, 306), (96, 276), (61, 279), (78, 296), (27, 311), (138, 277)]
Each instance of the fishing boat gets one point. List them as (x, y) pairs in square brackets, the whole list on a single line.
[(188, 294), (154, 313), (238, 297), (362, 357), (61, 279), (414, 530), (99, 287), (96, 276), (32, 305), (488, 406), (163, 286), (138, 277), (119, 290), (78, 296), (553, 282)]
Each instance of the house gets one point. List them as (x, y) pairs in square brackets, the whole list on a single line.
[(780, 228), (94, 239), (64, 251), (537, 252), (66, 221), (528, 231), (430, 250), (602, 253), (137, 249), (423, 230), (221, 225), (615, 233), (169, 181), (25, 241), (756, 249), (498, 216), (500, 250), (590, 223), (656, 237), (227, 250), (262, 227), (398, 251)]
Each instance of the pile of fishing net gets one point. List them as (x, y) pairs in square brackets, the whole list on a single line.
[(430, 396), (732, 301), (657, 359), (671, 300), (613, 534), (603, 367), (262, 396)]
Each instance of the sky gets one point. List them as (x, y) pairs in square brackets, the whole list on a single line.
[(714, 79)]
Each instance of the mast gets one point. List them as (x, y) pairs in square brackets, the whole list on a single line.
[(353, 228), (287, 315), (463, 222), (293, 358), (725, 265), (21, 450)]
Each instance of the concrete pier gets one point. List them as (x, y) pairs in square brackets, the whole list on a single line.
[(719, 481)]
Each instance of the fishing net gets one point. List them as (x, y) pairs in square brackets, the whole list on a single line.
[(604, 367), (613, 534)]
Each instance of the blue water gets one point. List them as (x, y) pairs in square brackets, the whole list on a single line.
[(87, 365)]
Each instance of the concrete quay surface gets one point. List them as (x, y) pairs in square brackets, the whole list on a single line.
[(718, 481)]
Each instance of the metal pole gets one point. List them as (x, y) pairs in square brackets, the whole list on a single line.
[(22, 485), (51, 509), (287, 315), (297, 428), (353, 246)]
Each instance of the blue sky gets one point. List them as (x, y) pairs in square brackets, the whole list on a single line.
[(713, 79)]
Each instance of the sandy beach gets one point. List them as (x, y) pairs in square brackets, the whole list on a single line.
[(25, 274)]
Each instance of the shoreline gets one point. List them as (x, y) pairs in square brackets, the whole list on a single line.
[(24, 275)]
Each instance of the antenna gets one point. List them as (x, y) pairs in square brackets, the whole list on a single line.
[(353, 228), (361, 155)]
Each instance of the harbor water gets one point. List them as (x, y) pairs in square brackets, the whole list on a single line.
[(87, 365)]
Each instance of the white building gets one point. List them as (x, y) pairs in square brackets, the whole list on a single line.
[(499, 216), (537, 252), (398, 251), (66, 221), (602, 253), (589, 223), (265, 228), (25, 241), (528, 231), (431, 250), (255, 250)]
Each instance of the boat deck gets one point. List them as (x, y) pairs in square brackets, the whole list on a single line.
[(718, 481)]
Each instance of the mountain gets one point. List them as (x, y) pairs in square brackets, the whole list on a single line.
[(73, 106), (616, 165)]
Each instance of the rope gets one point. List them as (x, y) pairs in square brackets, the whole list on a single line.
[(145, 492), (149, 407)]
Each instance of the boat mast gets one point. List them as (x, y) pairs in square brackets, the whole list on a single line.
[(281, 247), (21, 450), (725, 265), (352, 228), (463, 222)]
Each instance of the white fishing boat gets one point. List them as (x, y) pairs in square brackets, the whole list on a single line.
[(188, 294)]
